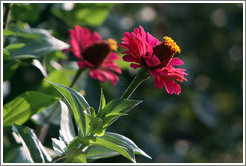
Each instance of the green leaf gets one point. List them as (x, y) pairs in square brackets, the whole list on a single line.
[(67, 133), (51, 60), (33, 148), (47, 113), (102, 102), (38, 42), (120, 106), (38, 65), (7, 32), (79, 106), (100, 141), (74, 143), (75, 155), (9, 69), (14, 47), (91, 15), (98, 152), (124, 141), (92, 111), (63, 77), (122, 64), (59, 146), (96, 125), (6, 55), (116, 108), (28, 13), (110, 118), (24, 106)]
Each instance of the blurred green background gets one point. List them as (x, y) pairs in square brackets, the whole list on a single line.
[(203, 124)]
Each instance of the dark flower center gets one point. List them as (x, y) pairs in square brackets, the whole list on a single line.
[(96, 52), (165, 51)]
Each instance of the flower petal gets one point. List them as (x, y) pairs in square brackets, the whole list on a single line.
[(152, 61), (112, 77), (171, 86), (96, 37), (83, 64), (175, 61), (76, 49), (112, 56), (129, 58), (158, 83), (112, 66), (97, 75), (135, 66)]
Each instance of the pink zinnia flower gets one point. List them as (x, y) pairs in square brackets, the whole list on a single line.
[(157, 57), (95, 54)]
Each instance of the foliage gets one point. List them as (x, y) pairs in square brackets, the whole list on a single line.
[(91, 127), (203, 124)]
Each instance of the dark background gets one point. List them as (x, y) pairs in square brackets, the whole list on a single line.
[(204, 123)]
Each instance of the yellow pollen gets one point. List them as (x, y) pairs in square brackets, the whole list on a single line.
[(170, 42), (112, 44)]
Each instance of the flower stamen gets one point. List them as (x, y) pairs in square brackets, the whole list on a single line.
[(168, 41), (112, 44)]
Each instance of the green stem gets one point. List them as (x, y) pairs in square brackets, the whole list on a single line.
[(57, 158), (76, 77), (6, 16), (45, 127), (142, 76)]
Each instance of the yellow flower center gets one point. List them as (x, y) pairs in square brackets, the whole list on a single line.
[(112, 44), (170, 43)]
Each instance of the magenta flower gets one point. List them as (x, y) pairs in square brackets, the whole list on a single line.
[(157, 57), (95, 54)]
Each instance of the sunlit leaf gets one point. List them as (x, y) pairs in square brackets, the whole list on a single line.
[(20, 109), (67, 133), (75, 155), (124, 141), (14, 47), (6, 55), (7, 32), (79, 106), (37, 64), (45, 114), (120, 106), (123, 64), (116, 108), (35, 151), (38, 42), (100, 141), (98, 152), (108, 119), (84, 14), (58, 146), (96, 125), (63, 77), (102, 102)]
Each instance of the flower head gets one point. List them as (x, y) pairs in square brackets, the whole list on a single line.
[(95, 54), (146, 51)]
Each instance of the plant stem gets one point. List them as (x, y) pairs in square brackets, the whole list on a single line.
[(45, 127), (76, 77), (57, 158), (6, 17), (142, 76)]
